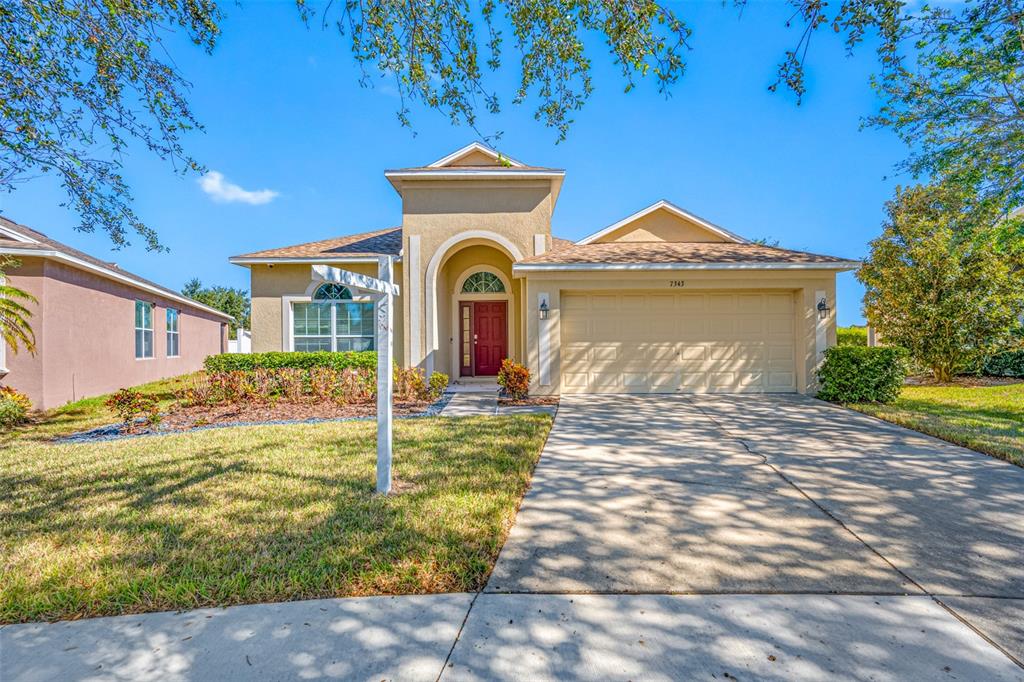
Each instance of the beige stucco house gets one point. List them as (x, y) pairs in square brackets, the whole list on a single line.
[(97, 326), (662, 300)]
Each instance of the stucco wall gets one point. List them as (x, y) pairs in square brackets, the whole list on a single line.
[(661, 226), (435, 213), (804, 284), (85, 331), (271, 285)]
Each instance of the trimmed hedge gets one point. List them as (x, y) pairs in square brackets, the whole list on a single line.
[(852, 336), (1006, 364), (247, 362), (855, 374)]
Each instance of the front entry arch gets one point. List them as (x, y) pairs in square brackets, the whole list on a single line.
[(492, 239)]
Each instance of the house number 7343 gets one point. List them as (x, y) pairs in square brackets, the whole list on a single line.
[(676, 283)]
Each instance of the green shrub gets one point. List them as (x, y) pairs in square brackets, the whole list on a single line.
[(136, 410), (852, 336), (852, 374), (1006, 364), (347, 386), (249, 362), (437, 385), (514, 378), (14, 407)]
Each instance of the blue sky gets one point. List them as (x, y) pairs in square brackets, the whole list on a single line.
[(283, 112)]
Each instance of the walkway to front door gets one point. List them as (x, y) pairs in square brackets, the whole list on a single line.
[(483, 337)]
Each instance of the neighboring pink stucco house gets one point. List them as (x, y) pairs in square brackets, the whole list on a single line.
[(98, 328)]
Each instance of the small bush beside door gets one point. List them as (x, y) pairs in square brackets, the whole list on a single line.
[(514, 378), (858, 374)]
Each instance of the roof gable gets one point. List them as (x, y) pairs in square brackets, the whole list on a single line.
[(476, 154), (663, 222)]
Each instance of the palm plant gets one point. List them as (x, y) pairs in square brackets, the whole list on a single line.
[(15, 329)]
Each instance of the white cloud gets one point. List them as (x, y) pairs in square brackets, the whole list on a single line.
[(219, 189)]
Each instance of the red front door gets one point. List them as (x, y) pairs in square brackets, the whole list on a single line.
[(488, 345)]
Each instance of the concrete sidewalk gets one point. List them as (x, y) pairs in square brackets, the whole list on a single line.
[(517, 637)]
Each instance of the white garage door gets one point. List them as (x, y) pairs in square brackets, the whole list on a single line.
[(694, 342)]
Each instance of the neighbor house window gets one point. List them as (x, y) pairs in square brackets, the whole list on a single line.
[(332, 321), (143, 329), (483, 283), (173, 347)]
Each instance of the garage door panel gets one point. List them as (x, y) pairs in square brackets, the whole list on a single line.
[(662, 351), (706, 342), (691, 329), (780, 326), (688, 352), (661, 304), (605, 303), (778, 304), (664, 382), (687, 304), (693, 382), (721, 328)]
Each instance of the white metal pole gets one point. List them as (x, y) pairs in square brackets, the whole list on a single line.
[(385, 316)]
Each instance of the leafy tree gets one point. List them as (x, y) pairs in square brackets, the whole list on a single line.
[(234, 302), (961, 107), (15, 329), (939, 281), (80, 79)]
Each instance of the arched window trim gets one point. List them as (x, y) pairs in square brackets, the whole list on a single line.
[(483, 282), (330, 291)]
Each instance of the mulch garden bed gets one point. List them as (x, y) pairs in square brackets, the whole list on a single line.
[(185, 418), (182, 419)]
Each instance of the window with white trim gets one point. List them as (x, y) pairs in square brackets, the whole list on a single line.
[(143, 330), (173, 346), (332, 321)]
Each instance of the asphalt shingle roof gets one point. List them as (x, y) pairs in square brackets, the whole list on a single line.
[(676, 252), (386, 242), (47, 244)]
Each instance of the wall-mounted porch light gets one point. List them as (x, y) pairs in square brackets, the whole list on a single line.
[(542, 311), (823, 309)]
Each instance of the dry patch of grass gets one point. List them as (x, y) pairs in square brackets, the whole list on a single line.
[(255, 514), (988, 419)]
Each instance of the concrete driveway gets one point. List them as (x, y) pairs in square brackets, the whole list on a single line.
[(663, 538), (725, 495)]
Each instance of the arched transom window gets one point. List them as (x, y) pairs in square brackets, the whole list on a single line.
[(332, 292), (483, 283), (332, 321)]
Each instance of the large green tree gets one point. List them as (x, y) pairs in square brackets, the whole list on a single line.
[(234, 302), (959, 102), (79, 80), (941, 281)]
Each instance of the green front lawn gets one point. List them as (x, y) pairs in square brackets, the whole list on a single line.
[(989, 419), (252, 514)]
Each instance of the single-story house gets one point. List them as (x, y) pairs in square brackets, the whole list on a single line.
[(98, 327), (662, 300)]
